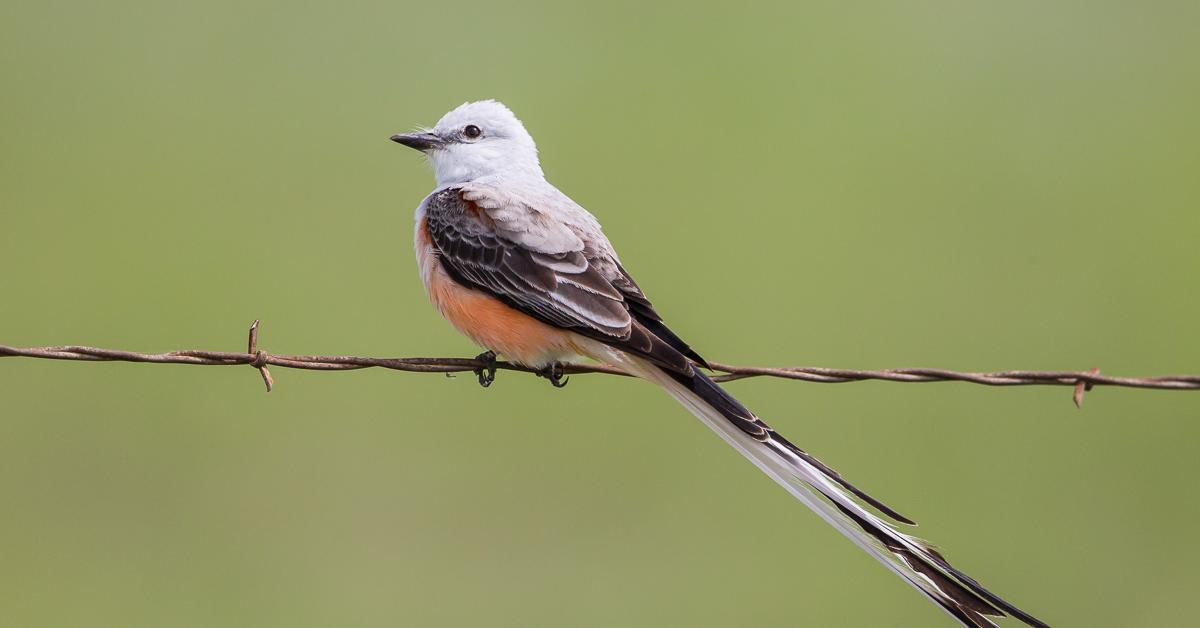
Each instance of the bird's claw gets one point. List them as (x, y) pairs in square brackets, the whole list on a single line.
[(486, 373), (554, 373)]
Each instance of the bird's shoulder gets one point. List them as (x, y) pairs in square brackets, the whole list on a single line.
[(538, 218)]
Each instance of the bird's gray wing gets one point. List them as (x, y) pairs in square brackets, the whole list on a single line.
[(563, 288), (573, 288)]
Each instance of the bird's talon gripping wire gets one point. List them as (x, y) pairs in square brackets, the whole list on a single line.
[(554, 373), (486, 373)]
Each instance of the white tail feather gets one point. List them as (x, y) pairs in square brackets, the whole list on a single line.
[(814, 489)]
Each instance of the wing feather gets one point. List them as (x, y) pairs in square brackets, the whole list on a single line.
[(563, 288)]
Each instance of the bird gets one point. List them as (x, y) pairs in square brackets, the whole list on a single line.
[(526, 273)]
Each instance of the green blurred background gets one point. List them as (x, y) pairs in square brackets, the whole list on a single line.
[(960, 185)]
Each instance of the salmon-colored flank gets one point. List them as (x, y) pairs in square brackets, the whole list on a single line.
[(488, 321)]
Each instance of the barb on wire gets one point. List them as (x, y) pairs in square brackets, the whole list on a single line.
[(1080, 381), (260, 357)]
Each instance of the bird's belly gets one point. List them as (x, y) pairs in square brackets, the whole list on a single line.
[(487, 320)]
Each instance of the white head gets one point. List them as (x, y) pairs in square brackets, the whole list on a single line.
[(475, 140)]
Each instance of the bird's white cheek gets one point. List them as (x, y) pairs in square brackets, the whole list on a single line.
[(464, 162), (451, 166)]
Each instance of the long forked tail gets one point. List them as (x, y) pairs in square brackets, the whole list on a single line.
[(832, 498)]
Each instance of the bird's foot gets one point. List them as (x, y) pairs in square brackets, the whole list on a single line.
[(486, 373), (554, 373)]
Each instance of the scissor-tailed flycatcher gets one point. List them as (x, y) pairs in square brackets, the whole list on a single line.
[(525, 272)]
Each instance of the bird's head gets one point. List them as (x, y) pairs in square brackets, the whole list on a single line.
[(477, 139)]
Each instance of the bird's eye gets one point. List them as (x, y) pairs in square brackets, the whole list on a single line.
[(472, 132)]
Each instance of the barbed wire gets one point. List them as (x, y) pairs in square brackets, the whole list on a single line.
[(1081, 381)]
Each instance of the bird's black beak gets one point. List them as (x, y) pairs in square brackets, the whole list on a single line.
[(420, 141)]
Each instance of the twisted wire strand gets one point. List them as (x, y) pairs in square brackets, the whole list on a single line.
[(261, 360)]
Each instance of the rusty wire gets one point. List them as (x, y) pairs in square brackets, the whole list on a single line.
[(1081, 381)]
